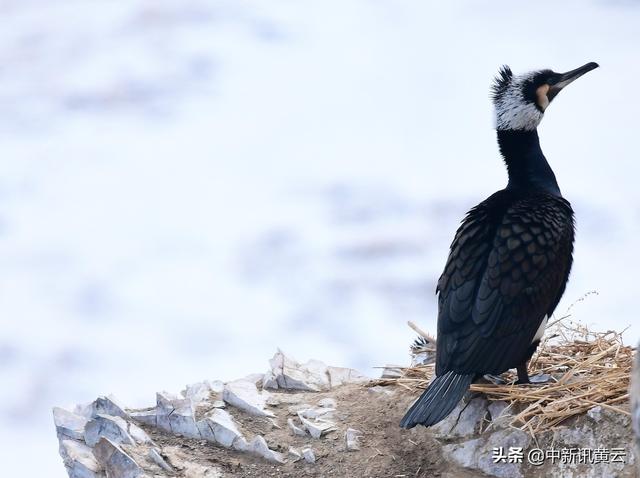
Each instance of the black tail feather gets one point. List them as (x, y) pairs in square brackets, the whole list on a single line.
[(438, 400)]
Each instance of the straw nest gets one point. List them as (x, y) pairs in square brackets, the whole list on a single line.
[(583, 368)]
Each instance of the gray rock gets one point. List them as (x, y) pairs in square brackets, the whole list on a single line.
[(294, 409), (245, 396), (595, 413), (507, 438), (422, 358), (295, 428), (274, 423), (314, 413), (582, 436), (218, 426), (477, 453), (289, 374), (176, 415), (198, 392), (155, 457), (316, 428), (116, 461), (113, 428), (272, 400), (341, 376), (540, 378), (148, 417), (79, 460), (195, 470), (352, 437), (84, 410), (69, 424), (241, 444), (471, 418), (108, 405), (392, 371), (500, 412), (254, 378), (138, 434), (259, 447), (294, 455), (328, 403), (443, 428), (308, 455), (378, 389), (218, 404), (634, 397), (270, 381), (464, 420), (186, 468), (216, 386), (465, 453)]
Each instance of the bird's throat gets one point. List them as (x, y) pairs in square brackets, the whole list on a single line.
[(527, 167)]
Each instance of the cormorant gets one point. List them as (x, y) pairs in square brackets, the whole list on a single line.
[(510, 259)]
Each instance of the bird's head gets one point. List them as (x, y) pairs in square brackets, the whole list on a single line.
[(520, 101)]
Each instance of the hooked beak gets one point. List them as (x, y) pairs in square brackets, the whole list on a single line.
[(560, 80)]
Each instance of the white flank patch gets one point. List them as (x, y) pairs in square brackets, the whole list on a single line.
[(540, 331)]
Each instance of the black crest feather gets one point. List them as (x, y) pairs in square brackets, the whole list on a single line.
[(501, 82)]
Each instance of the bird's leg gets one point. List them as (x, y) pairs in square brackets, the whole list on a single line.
[(523, 375)]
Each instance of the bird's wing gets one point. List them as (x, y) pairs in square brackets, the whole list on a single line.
[(504, 274)]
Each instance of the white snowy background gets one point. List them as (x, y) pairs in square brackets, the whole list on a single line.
[(186, 185)]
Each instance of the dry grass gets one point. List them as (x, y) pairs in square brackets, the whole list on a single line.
[(587, 369)]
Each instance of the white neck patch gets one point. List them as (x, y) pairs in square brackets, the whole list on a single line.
[(513, 111)]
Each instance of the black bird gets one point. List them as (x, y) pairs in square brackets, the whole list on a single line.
[(510, 259)]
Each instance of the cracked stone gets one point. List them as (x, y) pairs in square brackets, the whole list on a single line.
[(79, 460), (258, 446), (176, 415), (294, 455), (69, 424), (473, 453), (595, 413), (108, 405), (464, 420), (155, 457), (197, 392), (245, 396), (138, 434), (148, 417), (313, 413), (308, 455), (84, 410), (341, 376), (352, 437), (113, 428), (316, 428), (500, 412), (116, 461), (218, 426), (296, 429), (288, 374)]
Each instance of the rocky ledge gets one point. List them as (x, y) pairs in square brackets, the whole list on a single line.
[(316, 420)]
